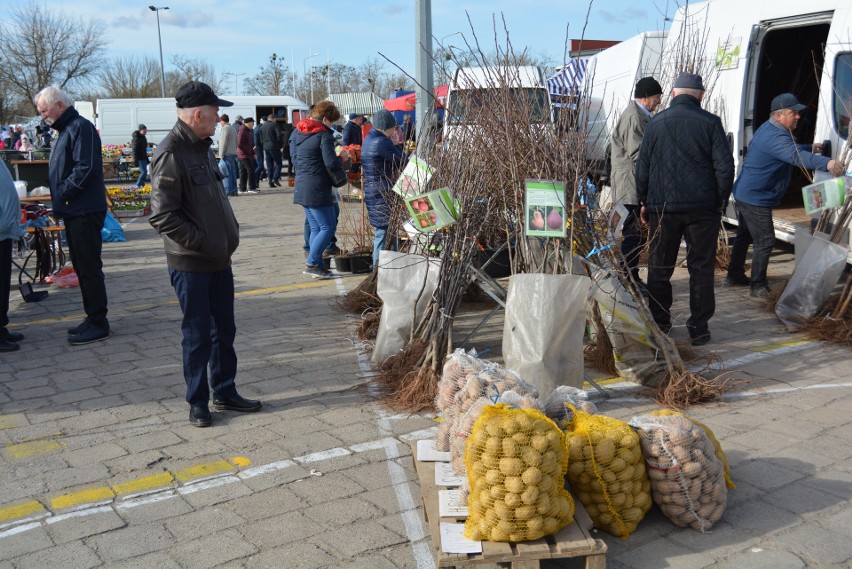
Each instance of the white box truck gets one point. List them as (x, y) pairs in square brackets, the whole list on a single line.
[(467, 92), (116, 119), (762, 48), (611, 76)]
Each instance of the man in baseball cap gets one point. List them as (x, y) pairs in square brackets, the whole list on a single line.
[(198, 94), (200, 233), (772, 156)]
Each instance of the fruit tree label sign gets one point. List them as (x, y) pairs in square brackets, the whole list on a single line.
[(544, 208)]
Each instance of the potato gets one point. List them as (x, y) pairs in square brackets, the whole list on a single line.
[(503, 511), (691, 469), (494, 430), (479, 468), (514, 484), (497, 492), (491, 460), (493, 445), (512, 500), (535, 524), (575, 448), (524, 512), (498, 535), (490, 517), (550, 525), (531, 476), (511, 466), (493, 477), (575, 470), (510, 447), (530, 495), (530, 456), (540, 443), (656, 474), (522, 439), (605, 452)]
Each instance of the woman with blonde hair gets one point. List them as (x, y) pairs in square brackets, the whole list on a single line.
[(317, 169)]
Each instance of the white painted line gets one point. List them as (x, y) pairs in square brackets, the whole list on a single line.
[(414, 529), (429, 433), (145, 500), (323, 455), (19, 529), (265, 469), (207, 484), (33, 518), (78, 514)]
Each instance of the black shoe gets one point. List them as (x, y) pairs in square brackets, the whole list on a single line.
[(759, 292), (701, 339), (740, 280), (7, 346), (237, 403), (77, 329), (200, 416), (88, 334), (13, 337)]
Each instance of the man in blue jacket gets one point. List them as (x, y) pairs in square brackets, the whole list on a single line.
[(10, 232), (772, 155), (79, 197)]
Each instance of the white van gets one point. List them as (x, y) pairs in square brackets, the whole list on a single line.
[(118, 118), (762, 48), (611, 77), (467, 91)]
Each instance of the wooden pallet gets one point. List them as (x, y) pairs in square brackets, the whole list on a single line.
[(574, 540)]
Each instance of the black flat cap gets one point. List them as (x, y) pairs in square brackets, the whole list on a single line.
[(198, 94)]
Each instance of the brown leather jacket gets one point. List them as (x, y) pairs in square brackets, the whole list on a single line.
[(189, 207)]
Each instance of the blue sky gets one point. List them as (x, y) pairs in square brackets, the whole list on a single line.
[(239, 36)]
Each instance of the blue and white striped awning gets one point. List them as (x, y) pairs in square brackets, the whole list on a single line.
[(569, 81)]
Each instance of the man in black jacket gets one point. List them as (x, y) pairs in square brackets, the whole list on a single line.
[(270, 135), (684, 176), (79, 197), (200, 233)]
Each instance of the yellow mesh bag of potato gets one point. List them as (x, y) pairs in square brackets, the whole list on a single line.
[(720, 454), (515, 464), (607, 471), (687, 479)]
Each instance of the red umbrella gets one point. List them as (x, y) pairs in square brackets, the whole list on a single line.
[(408, 102)]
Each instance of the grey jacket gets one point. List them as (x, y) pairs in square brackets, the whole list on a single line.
[(626, 140), (228, 141), (190, 210)]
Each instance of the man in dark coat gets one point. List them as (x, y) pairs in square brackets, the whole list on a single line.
[(683, 178), (79, 197), (270, 135), (352, 130)]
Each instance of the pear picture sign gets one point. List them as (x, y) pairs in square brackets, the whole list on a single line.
[(544, 204)]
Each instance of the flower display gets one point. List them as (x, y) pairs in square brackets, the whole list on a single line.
[(129, 198)]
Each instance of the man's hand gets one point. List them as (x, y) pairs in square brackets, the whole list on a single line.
[(836, 168), (642, 217)]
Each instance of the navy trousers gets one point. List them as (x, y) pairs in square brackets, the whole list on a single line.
[(207, 302), (755, 227), (85, 243)]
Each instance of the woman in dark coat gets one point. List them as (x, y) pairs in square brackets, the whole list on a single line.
[(317, 169), (140, 153)]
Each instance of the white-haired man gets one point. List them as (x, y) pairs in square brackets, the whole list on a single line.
[(79, 197)]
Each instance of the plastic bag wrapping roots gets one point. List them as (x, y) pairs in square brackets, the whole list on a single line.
[(607, 472), (543, 329), (687, 480), (634, 353), (720, 454), (515, 468), (404, 281), (813, 279), (556, 409)]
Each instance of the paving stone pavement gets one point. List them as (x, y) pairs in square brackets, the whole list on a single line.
[(101, 468)]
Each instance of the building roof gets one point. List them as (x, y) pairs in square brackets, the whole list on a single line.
[(360, 103)]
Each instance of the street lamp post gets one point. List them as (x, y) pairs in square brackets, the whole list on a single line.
[(305, 71), (156, 10), (236, 77)]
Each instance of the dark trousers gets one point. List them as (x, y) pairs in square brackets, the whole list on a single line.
[(5, 283), (207, 302), (273, 164), (755, 226), (632, 240), (259, 168), (701, 232), (247, 174), (84, 244)]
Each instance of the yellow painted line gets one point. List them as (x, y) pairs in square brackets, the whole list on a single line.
[(21, 511), (20, 451), (604, 381), (141, 484), (240, 461), (8, 421), (285, 288), (202, 470), (787, 344), (82, 497)]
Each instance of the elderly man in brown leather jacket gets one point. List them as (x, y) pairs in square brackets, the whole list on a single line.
[(200, 233)]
